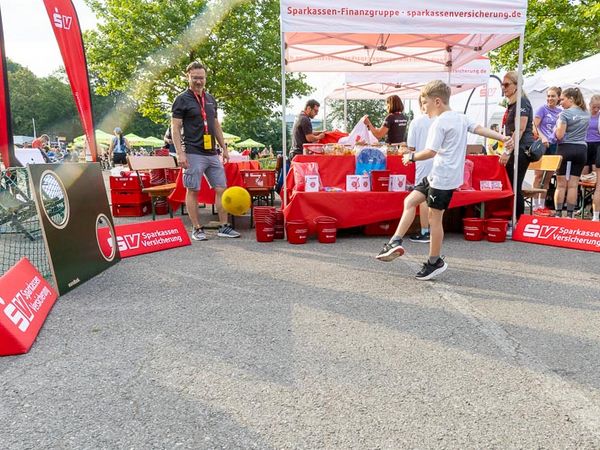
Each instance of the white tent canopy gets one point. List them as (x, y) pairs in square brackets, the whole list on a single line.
[(584, 74), (395, 35), (407, 85)]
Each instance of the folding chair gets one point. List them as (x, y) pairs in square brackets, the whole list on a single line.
[(547, 163), (147, 163)]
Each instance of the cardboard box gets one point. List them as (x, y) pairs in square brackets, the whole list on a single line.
[(311, 183), (358, 183), (397, 183)]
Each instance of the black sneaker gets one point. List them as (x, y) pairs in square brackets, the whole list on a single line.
[(430, 271), (425, 238), (391, 251), (198, 234), (227, 231)]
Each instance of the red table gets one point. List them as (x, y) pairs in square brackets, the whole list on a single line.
[(353, 209), (206, 194)]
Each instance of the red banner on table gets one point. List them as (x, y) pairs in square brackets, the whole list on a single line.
[(558, 232), (25, 300), (6, 136), (65, 24), (145, 237)]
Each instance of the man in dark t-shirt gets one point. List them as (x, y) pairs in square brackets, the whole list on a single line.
[(302, 132), (194, 112)]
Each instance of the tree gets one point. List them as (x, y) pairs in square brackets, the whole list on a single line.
[(142, 46), (266, 130), (558, 32), (376, 109)]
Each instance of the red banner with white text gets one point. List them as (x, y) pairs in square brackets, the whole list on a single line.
[(25, 300), (6, 136), (65, 24), (558, 232), (145, 237)]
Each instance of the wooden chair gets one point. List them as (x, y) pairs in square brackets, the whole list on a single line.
[(147, 163), (547, 163)]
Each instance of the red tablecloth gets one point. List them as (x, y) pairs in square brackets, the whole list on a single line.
[(206, 194), (353, 209)]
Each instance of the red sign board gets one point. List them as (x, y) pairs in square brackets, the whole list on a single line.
[(25, 300), (559, 232), (145, 237)]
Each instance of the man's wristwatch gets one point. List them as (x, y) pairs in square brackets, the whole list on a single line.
[(411, 157)]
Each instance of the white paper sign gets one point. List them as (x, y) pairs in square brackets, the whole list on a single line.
[(397, 183), (358, 183), (311, 183)]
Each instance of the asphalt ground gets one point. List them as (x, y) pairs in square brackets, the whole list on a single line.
[(231, 343)]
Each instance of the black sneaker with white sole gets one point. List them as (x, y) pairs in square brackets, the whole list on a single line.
[(391, 251), (227, 231), (425, 238), (429, 271)]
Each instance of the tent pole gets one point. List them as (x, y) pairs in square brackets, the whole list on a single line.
[(485, 112), (346, 107), (324, 113), (283, 123), (518, 125)]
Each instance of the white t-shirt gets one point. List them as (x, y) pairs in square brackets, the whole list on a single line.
[(417, 139), (448, 138)]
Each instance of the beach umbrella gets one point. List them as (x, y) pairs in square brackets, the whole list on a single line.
[(249, 143)]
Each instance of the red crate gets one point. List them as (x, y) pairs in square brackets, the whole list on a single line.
[(383, 228), (263, 179), (130, 182), (131, 210), (128, 197)]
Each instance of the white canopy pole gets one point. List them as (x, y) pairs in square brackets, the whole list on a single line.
[(518, 126), (346, 107), (324, 113), (485, 112), (283, 123)]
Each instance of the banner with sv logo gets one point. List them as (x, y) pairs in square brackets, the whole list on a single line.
[(558, 232)]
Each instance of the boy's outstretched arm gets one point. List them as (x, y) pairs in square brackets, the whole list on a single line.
[(488, 133)]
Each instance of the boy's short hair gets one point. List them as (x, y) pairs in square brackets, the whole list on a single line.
[(437, 89)]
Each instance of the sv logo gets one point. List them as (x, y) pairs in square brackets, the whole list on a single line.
[(62, 21), (128, 241), (533, 230), (18, 312)]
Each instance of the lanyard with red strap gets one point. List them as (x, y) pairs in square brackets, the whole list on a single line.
[(202, 110)]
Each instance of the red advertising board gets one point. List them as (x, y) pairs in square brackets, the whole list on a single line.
[(146, 237), (25, 300), (558, 232)]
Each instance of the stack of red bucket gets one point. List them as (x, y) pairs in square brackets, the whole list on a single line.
[(495, 230), (264, 220)]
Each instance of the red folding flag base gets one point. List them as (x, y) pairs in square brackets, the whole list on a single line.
[(25, 300)]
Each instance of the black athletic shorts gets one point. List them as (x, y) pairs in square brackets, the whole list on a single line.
[(119, 158), (574, 157), (436, 198), (593, 153)]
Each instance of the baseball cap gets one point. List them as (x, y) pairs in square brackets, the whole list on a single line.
[(118, 130)]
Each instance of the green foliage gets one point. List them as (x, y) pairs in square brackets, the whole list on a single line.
[(266, 130), (558, 32), (141, 47), (376, 109)]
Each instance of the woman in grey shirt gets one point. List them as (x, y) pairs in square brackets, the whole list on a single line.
[(571, 130)]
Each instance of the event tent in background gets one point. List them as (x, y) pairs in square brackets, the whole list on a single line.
[(248, 143), (584, 74), (102, 137), (406, 36)]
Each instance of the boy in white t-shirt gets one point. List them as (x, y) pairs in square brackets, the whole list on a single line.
[(447, 145)]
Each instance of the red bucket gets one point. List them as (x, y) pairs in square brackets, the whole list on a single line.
[(265, 232), (380, 180), (297, 231), (496, 229), (473, 228), (326, 229)]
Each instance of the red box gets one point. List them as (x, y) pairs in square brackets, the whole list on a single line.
[(383, 228), (131, 210), (263, 179), (128, 197), (380, 180), (313, 149), (129, 182)]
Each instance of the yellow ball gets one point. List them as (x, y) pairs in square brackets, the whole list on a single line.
[(236, 200)]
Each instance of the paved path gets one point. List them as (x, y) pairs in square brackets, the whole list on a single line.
[(236, 344)]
